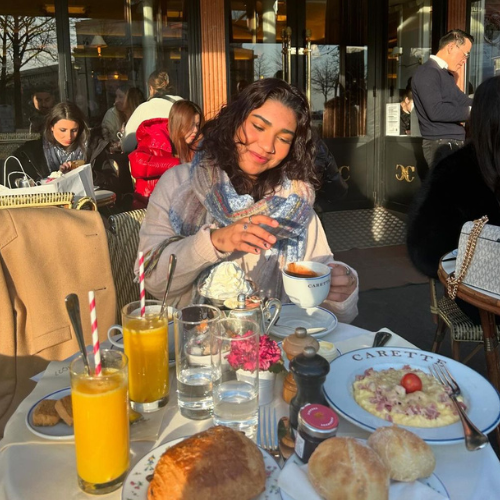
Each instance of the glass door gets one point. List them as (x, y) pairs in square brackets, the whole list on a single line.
[(322, 47)]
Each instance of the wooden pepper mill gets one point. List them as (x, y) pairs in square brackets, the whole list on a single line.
[(294, 344)]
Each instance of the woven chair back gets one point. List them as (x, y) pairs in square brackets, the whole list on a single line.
[(123, 242)]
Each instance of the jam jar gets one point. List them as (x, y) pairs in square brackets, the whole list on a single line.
[(316, 423)]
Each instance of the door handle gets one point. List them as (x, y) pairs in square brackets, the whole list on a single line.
[(307, 53), (288, 55)]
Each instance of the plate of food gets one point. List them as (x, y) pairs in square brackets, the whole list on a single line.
[(412, 463), (52, 416), (379, 386), (292, 316), (203, 448)]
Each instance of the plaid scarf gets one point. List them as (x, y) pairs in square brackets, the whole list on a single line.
[(213, 200)]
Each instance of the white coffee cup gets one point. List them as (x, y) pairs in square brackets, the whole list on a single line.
[(307, 291)]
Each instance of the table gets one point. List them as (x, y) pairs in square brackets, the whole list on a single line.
[(31, 467), (489, 306)]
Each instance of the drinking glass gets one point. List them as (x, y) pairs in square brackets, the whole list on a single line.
[(193, 326), (101, 422), (145, 340), (235, 374)]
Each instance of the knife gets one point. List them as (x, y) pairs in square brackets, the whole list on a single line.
[(381, 338)]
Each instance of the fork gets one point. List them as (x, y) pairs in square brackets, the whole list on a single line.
[(267, 431), (474, 438)]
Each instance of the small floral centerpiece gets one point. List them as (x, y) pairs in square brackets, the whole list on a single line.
[(242, 355)]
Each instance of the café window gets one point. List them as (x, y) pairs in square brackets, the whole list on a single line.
[(409, 46), (84, 55)]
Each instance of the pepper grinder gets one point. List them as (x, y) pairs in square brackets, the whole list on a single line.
[(294, 344), (309, 370)]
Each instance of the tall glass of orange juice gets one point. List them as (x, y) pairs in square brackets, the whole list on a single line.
[(145, 340), (101, 422)]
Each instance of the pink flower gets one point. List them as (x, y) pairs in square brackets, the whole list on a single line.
[(242, 354)]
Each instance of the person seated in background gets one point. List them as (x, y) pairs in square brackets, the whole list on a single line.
[(157, 106), (43, 101), (405, 115), (462, 187), (153, 156), (184, 124), (65, 140), (247, 197), (115, 116)]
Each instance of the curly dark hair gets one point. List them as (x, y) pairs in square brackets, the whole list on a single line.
[(220, 148)]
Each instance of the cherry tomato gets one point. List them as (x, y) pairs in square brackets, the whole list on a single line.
[(411, 383)]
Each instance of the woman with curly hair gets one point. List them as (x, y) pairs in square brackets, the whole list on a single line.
[(247, 197)]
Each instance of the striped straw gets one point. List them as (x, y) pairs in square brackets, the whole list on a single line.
[(141, 284), (95, 336)]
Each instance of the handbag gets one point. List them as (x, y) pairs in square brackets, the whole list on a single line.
[(478, 258)]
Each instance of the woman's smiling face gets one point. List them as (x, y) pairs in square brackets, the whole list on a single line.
[(265, 138)]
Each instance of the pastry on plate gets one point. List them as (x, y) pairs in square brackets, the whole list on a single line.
[(45, 414)]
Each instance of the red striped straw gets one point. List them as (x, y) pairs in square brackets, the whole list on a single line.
[(141, 284), (95, 336)]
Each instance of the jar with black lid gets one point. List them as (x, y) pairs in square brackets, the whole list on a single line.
[(315, 424)]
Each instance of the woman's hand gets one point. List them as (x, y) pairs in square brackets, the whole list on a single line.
[(65, 167), (343, 283), (246, 235)]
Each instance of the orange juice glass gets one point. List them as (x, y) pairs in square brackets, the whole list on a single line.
[(145, 340), (101, 422)]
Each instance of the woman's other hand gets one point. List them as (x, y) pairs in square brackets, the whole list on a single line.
[(343, 284), (65, 167), (246, 235)]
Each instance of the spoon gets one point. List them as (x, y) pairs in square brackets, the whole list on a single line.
[(73, 308), (381, 338), (171, 269), (286, 441)]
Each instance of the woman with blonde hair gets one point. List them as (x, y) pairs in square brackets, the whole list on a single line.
[(184, 124), (157, 106)]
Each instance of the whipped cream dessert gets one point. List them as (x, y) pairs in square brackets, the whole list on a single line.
[(225, 281)]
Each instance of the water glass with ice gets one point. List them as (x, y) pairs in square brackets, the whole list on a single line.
[(235, 372), (193, 326)]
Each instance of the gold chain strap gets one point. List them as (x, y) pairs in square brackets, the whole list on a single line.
[(453, 281)]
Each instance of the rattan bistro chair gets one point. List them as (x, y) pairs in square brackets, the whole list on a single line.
[(64, 200), (123, 242), (449, 316)]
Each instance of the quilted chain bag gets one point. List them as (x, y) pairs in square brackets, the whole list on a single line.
[(478, 258)]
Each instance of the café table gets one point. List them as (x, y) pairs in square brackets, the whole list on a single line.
[(34, 468), (489, 305)]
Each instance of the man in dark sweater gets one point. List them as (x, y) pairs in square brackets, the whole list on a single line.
[(440, 105)]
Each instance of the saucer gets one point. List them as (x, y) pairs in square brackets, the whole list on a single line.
[(314, 317)]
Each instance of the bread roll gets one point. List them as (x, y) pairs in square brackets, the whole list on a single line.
[(405, 455), (342, 468), (217, 464)]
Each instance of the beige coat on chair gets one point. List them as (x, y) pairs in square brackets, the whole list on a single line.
[(46, 254)]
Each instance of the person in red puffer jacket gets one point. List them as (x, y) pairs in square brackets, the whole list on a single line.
[(151, 159)]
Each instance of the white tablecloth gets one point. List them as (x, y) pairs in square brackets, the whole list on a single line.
[(34, 468)]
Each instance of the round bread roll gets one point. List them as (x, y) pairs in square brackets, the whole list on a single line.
[(406, 456), (342, 468), (219, 463)]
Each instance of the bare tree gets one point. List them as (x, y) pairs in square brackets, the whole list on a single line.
[(26, 41), (325, 72), (261, 67)]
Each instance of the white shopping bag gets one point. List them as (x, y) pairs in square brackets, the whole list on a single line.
[(78, 181)]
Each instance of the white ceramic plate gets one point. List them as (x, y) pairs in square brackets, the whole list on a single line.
[(481, 398), (432, 481), (136, 484), (314, 317), (57, 432)]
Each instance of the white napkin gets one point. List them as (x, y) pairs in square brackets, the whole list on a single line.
[(294, 482)]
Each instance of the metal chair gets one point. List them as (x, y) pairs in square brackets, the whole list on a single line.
[(448, 316), (123, 242)]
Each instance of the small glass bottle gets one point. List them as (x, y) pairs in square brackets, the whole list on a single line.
[(316, 423)]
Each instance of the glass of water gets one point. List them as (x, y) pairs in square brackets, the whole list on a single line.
[(193, 327), (235, 374)]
